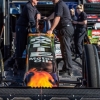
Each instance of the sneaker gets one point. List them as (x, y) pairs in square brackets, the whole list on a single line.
[(71, 74), (65, 74)]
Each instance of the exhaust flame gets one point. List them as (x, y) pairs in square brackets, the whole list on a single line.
[(40, 79)]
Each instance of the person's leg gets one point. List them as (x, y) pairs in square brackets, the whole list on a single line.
[(61, 44), (76, 41), (21, 39), (67, 54), (62, 52), (81, 36), (68, 31), (9, 63)]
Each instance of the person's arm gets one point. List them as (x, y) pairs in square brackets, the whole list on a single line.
[(38, 17), (81, 23), (75, 19), (30, 14), (84, 22), (55, 23), (58, 14), (51, 16)]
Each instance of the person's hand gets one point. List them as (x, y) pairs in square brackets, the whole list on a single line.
[(37, 26), (50, 31), (75, 22), (47, 18)]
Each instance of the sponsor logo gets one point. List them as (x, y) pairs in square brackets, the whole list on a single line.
[(41, 39), (92, 16), (41, 59), (40, 46), (96, 33), (32, 54), (40, 49), (93, 1)]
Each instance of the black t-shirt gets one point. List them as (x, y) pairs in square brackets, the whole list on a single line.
[(62, 10), (81, 17), (28, 15)]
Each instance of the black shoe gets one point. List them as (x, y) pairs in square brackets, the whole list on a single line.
[(62, 71), (76, 57)]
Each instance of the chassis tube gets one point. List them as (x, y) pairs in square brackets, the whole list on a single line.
[(6, 16)]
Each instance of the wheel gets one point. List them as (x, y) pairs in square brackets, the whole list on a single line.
[(91, 70), (1, 67)]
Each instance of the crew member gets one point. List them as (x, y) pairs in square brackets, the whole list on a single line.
[(29, 16), (62, 19), (80, 31)]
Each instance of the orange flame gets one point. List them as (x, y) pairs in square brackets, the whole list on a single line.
[(41, 79)]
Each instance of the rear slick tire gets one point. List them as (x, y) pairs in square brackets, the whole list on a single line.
[(92, 66)]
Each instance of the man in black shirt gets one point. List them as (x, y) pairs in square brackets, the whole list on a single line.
[(29, 16), (62, 19)]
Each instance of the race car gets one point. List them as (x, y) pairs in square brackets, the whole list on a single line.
[(40, 64)]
